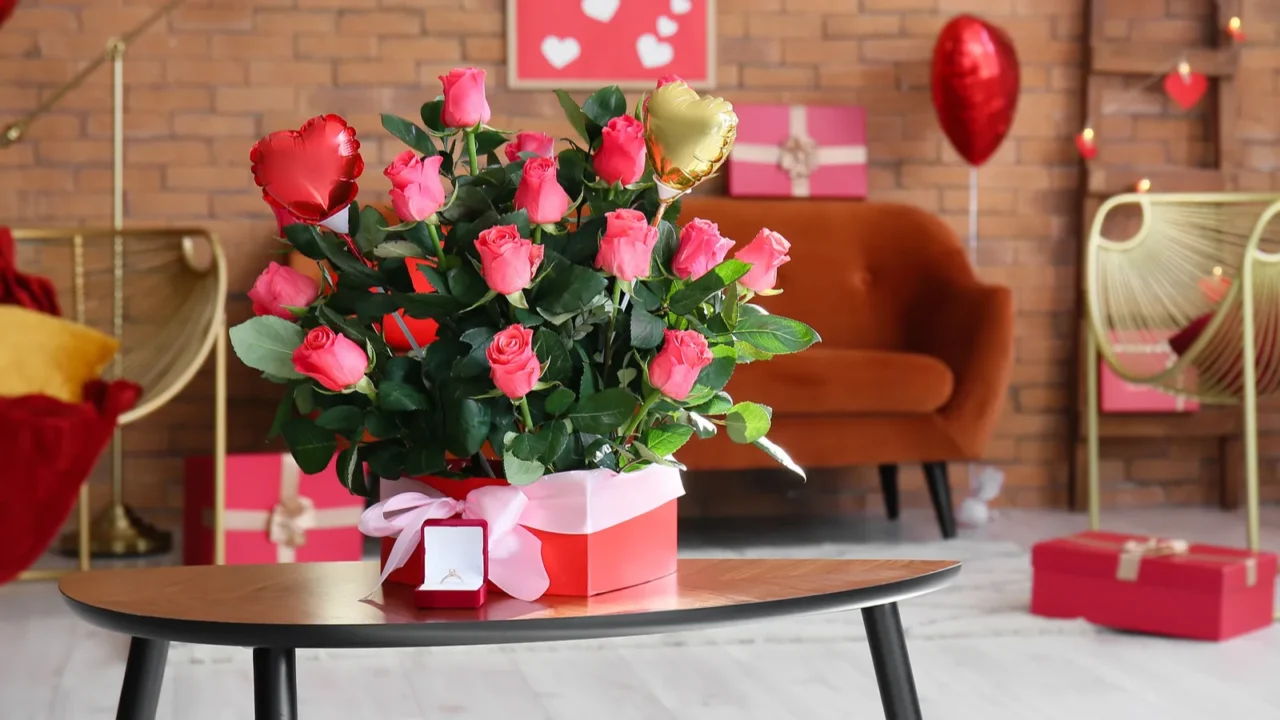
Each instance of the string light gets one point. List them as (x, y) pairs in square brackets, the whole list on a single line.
[(1234, 30), (1143, 185)]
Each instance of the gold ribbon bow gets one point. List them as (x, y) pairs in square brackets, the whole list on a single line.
[(1133, 552), (290, 520), (799, 157)]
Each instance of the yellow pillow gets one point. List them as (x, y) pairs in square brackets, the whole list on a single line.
[(41, 354)]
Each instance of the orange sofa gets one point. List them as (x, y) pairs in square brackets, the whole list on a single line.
[(915, 355)]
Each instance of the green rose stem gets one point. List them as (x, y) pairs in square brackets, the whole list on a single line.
[(436, 244), (524, 413), (608, 335), (537, 235), (649, 400), (471, 150)]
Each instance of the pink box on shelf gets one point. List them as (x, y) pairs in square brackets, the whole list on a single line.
[(274, 513), (799, 151), (1145, 352)]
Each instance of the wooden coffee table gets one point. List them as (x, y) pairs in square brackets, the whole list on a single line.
[(278, 608)]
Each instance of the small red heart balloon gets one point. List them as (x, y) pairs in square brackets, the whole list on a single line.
[(975, 86), (1186, 90), (1084, 143), (310, 172)]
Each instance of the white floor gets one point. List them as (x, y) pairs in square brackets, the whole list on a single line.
[(975, 650)]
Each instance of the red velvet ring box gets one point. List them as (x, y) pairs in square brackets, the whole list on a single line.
[(456, 564)]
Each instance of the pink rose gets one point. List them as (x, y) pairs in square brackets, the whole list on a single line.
[(465, 105), (627, 245), (416, 192), (766, 253), (540, 194), (331, 359), (279, 288), (621, 156), (508, 262), (702, 247), (676, 366), (541, 144), (512, 363), (668, 79)]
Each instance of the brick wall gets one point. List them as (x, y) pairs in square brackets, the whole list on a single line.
[(206, 82)]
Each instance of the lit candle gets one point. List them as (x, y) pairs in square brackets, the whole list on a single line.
[(1143, 185), (1234, 31)]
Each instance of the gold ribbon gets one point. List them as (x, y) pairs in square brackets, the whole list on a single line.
[(1133, 552), (800, 155), (288, 521)]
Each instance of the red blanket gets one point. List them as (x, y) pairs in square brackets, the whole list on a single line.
[(36, 293)]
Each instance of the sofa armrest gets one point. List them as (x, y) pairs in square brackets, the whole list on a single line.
[(970, 328)]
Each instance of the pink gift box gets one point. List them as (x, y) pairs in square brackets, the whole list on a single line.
[(799, 151), (1140, 351), (274, 513)]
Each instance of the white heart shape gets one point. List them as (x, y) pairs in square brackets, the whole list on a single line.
[(667, 27), (602, 10), (560, 51), (681, 7), (653, 52)]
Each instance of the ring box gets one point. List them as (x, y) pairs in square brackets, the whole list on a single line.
[(456, 564)]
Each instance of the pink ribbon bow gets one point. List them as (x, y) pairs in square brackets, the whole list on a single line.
[(515, 554)]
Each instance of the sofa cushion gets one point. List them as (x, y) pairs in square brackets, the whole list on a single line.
[(833, 380)]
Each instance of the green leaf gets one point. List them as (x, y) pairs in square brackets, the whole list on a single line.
[(646, 330), (587, 383), (311, 445), (466, 421), (747, 422), (716, 375), (373, 229), (568, 289), (665, 440), (557, 434), (344, 419), (552, 354), (527, 446), (573, 113), (774, 334), (701, 425), (284, 411), (600, 453), (402, 369), (350, 471), (428, 305), (425, 456), (400, 397), (604, 105), (665, 251), (266, 343), (717, 405), (381, 424), (489, 140), (559, 401), (361, 334), (399, 248), (385, 459), (521, 472), (375, 306), (305, 239), (409, 133), (605, 411), (304, 398), (780, 455), (572, 166), (645, 297), (440, 355), (519, 218), (688, 298), (433, 115), (353, 269), (749, 354)]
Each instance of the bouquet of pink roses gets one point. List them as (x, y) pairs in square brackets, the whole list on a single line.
[(571, 324)]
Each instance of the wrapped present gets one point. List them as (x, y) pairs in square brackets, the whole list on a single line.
[(1140, 351), (455, 564), (577, 533), (274, 513), (799, 151), (1152, 585)]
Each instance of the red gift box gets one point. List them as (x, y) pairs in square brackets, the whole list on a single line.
[(1162, 587), (274, 513), (799, 151), (449, 545), (622, 527), (1150, 354)]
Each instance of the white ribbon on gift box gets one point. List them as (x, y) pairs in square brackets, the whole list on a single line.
[(287, 523), (1159, 348), (800, 155)]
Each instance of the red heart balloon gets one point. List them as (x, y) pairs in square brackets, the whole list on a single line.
[(1088, 149), (310, 172), (1186, 91), (975, 86)]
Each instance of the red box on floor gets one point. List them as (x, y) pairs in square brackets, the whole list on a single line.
[(1162, 587), (613, 553), (274, 512)]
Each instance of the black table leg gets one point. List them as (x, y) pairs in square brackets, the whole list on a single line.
[(275, 684), (893, 667), (143, 674)]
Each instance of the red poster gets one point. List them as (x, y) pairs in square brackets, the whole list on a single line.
[(591, 43)]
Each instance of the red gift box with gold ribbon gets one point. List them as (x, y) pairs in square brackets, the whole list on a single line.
[(1153, 585)]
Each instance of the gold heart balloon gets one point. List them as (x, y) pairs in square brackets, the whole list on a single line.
[(688, 136)]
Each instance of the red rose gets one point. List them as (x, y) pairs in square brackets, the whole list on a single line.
[(330, 359), (513, 366), (465, 104), (540, 194), (540, 144), (621, 156)]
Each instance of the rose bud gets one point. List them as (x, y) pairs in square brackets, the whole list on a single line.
[(766, 253), (331, 359), (702, 247), (540, 144), (508, 262), (513, 366), (465, 105), (540, 194), (621, 156), (416, 191), (676, 366), (279, 288), (627, 246)]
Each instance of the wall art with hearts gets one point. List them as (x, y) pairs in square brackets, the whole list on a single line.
[(587, 43)]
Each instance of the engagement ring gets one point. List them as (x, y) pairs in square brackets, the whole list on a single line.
[(452, 575)]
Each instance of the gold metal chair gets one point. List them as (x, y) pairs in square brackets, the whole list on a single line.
[(163, 293), (1204, 258)]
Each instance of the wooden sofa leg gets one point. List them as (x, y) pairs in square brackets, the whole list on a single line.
[(889, 488), (940, 491)]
